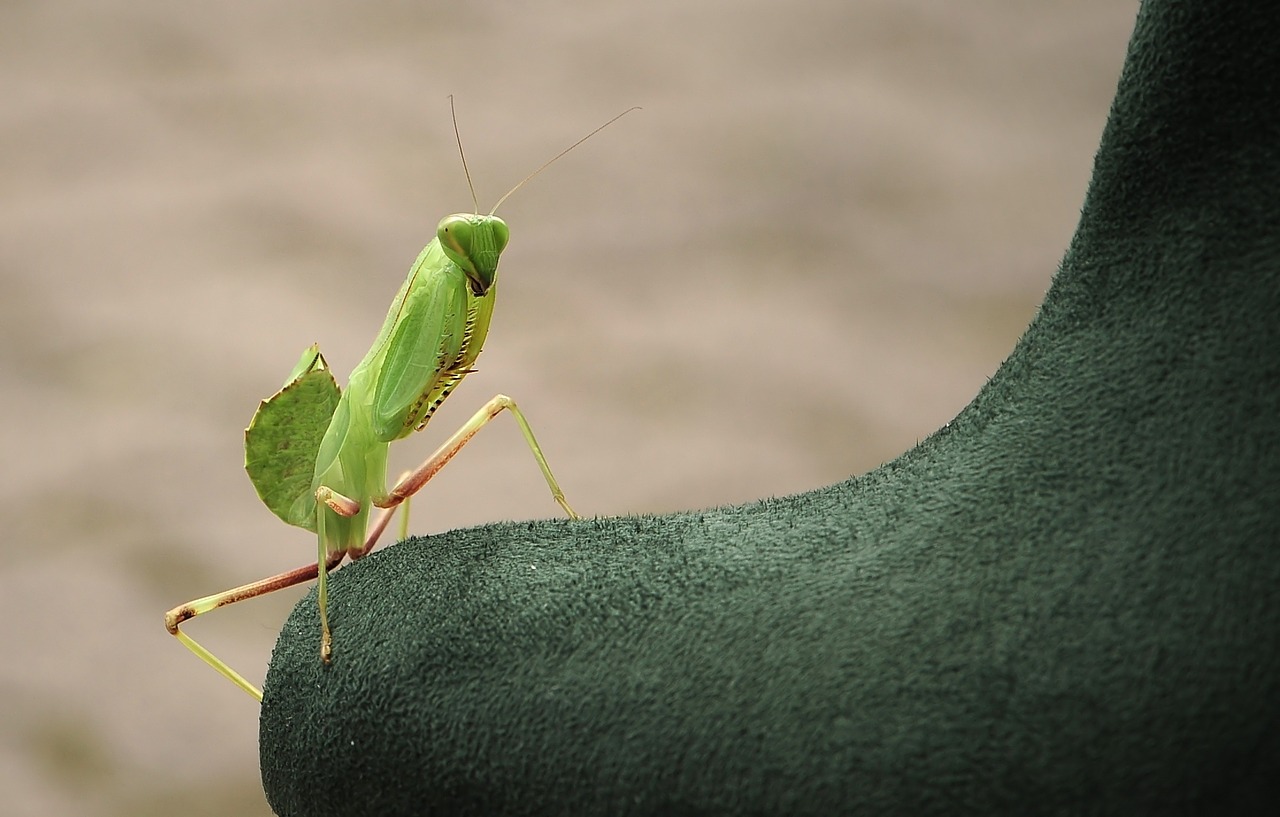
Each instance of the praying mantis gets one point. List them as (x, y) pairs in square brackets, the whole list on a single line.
[(318, 456)]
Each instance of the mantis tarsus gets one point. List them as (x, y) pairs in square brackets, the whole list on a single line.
[(429, 342)]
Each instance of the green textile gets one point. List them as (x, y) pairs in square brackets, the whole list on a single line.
[(1066, 601)]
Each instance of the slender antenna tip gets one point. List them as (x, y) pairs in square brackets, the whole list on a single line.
[(553, 159)]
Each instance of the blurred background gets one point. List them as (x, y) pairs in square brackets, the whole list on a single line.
[(828, 226)]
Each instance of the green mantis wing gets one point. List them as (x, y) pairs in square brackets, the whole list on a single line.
[(284, 435), (425, 348)]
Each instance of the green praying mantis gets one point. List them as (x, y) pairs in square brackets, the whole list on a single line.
[(318, 456)]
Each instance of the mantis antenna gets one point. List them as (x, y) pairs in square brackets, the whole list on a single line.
[(552, 160), (526, 179)]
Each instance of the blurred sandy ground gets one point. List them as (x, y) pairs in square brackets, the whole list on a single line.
[(826, 229)]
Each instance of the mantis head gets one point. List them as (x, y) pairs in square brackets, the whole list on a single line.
[(474, 242)]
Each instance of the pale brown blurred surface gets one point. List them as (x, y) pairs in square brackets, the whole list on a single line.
[(824, 232)]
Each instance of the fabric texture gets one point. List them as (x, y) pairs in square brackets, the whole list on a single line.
[(1063, 602)]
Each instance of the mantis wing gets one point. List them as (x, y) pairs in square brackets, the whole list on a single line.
[(284, 435), (425, 345)]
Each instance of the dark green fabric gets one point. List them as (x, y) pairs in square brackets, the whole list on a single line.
[(1066, 601)]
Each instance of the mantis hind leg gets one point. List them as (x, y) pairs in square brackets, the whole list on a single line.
[(412, 482), (184, 612)]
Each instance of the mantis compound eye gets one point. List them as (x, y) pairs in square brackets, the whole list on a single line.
[(501, 235), (456, 234)]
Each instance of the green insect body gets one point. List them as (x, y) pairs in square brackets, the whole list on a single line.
[(318, 457), (431, 337)]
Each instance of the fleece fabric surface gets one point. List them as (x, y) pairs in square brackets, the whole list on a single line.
[(1063, 602)]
